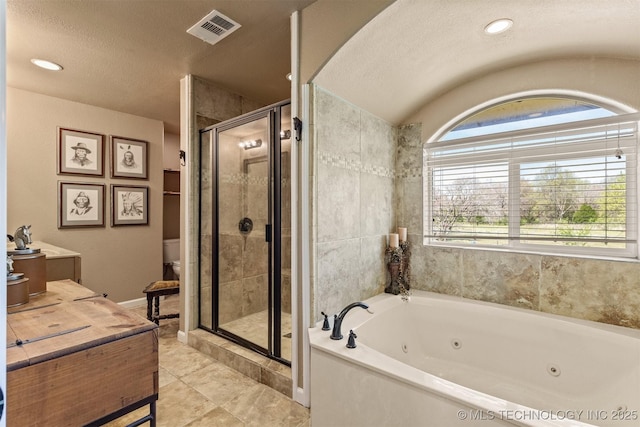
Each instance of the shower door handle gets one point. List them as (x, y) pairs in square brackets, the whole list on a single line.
[(267, 233)]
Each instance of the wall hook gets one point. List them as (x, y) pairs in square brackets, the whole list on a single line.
[(183, 158), (297, 125)]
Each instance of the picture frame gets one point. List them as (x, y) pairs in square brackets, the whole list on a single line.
[(80, 152), (129, 205), (129, 158), (80, 205)]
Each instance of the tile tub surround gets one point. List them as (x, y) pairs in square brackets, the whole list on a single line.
[(408, 181), (354, 155), (600, 290)]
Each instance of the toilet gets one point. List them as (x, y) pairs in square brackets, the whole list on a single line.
[(171, 255)]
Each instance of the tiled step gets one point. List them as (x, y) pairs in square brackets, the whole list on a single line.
[(262, 369)]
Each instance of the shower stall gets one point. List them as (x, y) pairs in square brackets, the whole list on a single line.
[(245, 230)]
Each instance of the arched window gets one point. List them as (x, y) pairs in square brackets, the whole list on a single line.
[(546, 173)]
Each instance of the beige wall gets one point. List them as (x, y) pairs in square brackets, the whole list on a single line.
[(171, 202), (170, 149), (120, 261), (615, 79), (326, 25)]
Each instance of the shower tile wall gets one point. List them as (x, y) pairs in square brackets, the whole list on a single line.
[(210, 105), (219, 104), (243, 266), (354, 198), (204, 252), (243, 260), (285, 224)]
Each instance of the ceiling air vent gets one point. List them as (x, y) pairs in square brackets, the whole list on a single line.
[(213, 27)]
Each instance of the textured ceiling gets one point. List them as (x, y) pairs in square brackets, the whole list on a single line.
[(129, 56), (416, 50)]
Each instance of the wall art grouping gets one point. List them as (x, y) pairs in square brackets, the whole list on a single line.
[(83, 153), (128, 158), (84, 204), (129, 205), (80, 153)]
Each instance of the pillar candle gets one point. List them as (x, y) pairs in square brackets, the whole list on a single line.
[(393, 240), (402, 232)]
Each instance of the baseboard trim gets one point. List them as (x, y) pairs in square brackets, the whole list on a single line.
[(134, 303)]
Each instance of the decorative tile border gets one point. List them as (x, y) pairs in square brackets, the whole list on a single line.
[(339, 161), (241, 178), (410, 173), (235, 178)]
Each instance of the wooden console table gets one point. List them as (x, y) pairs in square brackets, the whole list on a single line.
[(75, 358)]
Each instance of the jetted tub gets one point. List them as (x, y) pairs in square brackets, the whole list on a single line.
[(441, 361)]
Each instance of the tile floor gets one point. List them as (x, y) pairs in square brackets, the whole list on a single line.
[(255, 328), (198, 391)]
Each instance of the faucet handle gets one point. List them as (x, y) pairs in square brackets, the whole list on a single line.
[(325, 325), (351, 343), (335, 332)]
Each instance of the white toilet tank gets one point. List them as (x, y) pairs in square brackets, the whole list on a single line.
[(170, 250)]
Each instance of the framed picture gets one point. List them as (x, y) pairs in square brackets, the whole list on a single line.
[(129, 205), (80, 205), (80, 152), (129, 158)]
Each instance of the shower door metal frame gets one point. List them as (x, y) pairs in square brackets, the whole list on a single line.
[(273, 232)]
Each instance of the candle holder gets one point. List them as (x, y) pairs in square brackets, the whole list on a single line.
[(405, 267), (394, 284), (398, 265)]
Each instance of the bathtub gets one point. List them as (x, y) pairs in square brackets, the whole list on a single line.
[(443, 361)]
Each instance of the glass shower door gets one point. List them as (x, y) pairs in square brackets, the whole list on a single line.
[(244, 231)]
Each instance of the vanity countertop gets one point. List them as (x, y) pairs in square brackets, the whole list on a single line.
[(50, 251)]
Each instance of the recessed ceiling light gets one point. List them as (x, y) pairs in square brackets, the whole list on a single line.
[(47, 65), (498, 26)]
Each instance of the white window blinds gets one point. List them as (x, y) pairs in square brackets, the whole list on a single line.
[(569, 185)]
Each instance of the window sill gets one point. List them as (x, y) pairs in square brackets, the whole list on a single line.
[(538, 253)]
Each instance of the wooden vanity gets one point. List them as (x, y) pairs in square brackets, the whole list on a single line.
[(75, 358), (61, 263)]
